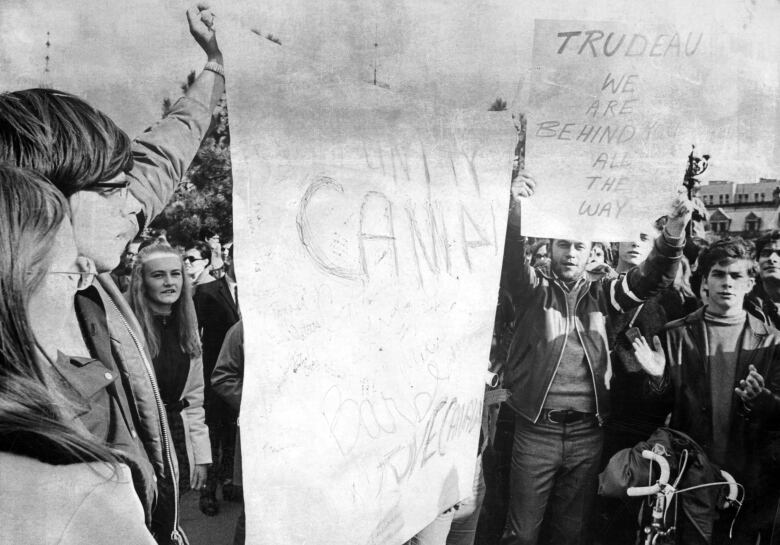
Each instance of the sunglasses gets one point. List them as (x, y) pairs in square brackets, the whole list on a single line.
[(767, 252), (192, 259)]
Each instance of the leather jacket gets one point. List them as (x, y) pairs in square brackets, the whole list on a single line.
[(541, 324), (686, 386)]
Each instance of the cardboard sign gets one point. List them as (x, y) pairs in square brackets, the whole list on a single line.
[(613, 112), (371, 242)]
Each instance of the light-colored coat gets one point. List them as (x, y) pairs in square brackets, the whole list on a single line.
[(73, 504), (196, 432)]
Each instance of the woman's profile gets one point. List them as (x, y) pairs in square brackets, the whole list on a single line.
[(58, 483)]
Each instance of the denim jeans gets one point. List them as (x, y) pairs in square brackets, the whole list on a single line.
[(553, 482)]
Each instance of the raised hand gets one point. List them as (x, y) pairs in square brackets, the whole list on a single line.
[(523, 186), (680, 216), (201, 21), (652, 361)]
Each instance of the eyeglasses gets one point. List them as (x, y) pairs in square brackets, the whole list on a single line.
[(192, 259), (110, 189)]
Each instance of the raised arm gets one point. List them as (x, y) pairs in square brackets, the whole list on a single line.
[(517, 276), (660, 268), (164, 151)]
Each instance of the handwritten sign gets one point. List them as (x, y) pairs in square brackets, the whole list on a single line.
[(373, 228), (614, 110)]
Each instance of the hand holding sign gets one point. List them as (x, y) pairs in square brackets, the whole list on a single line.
[(682, 209), (523, 186)]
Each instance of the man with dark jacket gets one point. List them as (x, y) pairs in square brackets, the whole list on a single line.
[(216, 305), (558, 373), (719, 369)]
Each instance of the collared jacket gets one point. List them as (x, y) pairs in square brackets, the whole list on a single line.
[(161, 156), (196, 432), (227, 381), (541, 321), (217, 312), (68, 504), (687, 389)]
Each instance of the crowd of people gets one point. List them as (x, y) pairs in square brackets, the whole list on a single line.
[(121, 357), (598, 353), (102, 399)]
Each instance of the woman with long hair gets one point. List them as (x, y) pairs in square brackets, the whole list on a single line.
[(51, 468), (160, 294)]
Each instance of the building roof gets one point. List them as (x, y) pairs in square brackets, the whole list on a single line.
[(739, 216)]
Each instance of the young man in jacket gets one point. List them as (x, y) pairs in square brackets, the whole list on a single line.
[(558, 373), (719, 369), (112, 184)]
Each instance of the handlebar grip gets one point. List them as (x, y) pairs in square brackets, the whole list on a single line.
[(733, 492), (662, 480)]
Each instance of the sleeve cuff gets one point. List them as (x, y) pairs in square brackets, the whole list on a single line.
[(676, 242)]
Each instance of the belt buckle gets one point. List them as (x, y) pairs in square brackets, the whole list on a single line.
[(551, 418)]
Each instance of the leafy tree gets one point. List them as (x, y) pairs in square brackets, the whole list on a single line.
[(204, 198), (499, 105)]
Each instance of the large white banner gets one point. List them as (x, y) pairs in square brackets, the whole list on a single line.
[(372, 228)]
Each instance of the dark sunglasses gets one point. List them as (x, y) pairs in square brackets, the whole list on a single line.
[(192, 259)]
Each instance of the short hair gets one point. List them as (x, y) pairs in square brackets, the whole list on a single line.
[(207, 233), (765, 240), (202, 248), (723, 251), (62, 137)]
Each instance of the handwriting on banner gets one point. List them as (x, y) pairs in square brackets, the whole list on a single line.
[(608, 119), (429, 236), (598, 42)]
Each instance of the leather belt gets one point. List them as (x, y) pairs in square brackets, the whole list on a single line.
[(564, 416)]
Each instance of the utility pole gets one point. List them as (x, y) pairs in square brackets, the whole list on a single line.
[(376, 53), (46, 83)]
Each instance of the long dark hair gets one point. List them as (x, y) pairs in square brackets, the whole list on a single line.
[(183, 309), (36, 420)]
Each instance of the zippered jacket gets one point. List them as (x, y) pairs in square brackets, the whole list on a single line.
[(161, 156), (541, 321), (686, 386)]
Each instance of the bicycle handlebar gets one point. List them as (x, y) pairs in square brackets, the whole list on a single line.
[(662, 480), (733, 492)]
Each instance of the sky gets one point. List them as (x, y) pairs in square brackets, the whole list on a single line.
[(127, 57)]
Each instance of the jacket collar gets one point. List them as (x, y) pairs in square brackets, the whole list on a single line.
[(554, 278), (753, 334), (756, 326)]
